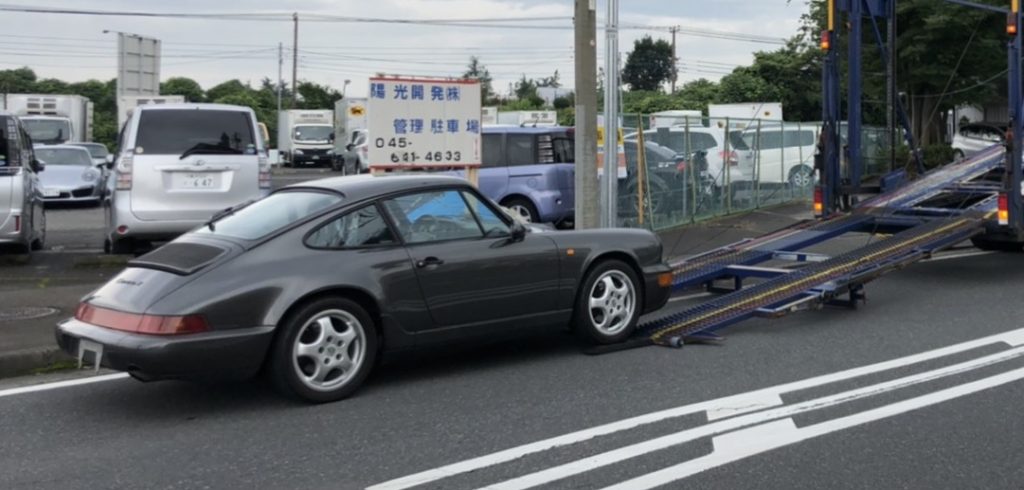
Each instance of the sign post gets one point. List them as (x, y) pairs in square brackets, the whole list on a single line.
[(424, 123)]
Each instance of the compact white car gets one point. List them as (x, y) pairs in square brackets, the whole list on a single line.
[(22, 216), (177, 166), (975, 137), (779, 154)]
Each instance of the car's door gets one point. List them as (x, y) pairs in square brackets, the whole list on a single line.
[(31, 188), (493, 176), (470, 268)]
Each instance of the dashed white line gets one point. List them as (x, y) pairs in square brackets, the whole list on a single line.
[(62, 384)]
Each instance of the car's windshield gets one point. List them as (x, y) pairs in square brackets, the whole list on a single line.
[(63, 156), (173, 131), (313, 133), (96, 150), (272, 213), (47, 130)]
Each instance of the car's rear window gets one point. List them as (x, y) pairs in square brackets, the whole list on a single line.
[(96, 151), (173, 131), (273, 213)]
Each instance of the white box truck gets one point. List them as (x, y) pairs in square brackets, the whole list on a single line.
[(745, 114), (305, 137), (528, 118), (667, 119), (350, 122), (126, 103), (52, 119)]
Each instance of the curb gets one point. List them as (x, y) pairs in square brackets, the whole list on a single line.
[(21, 362)]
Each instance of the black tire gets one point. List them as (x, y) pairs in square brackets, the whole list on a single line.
[(801, 177), (285, 366), (996, 246), (958, 156), (585, 315), (40, 243), (124, 246), (523, 207)]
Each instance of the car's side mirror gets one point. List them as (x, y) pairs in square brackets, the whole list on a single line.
[(349, 147), (518, 232), (110, 159), (38, 166), (330, 137), (110, 162)]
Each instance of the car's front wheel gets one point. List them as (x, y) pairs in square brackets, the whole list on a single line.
[(608, 307), (324, 350)]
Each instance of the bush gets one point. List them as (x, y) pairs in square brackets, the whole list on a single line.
[(937, 155)]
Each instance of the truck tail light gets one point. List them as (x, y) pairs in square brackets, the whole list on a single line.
[(124, 173), (1004, 210), (819, 204), (826, 40), (264, 172), (144, 324)]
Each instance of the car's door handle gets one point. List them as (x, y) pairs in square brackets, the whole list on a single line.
[(429, 261)]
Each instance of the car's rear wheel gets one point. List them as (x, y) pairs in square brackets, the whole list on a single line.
[(40, 242), (523, 208), (958, 156), (324, 350), (123, 246), (801, 177), (608, 307)]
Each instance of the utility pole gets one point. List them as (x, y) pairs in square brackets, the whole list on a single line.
[(891, 87), (586, 206), (675, 59), (610, 173), (280, 75), (295, 59)]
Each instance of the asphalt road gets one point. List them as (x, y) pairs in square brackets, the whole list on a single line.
[(946, 420)]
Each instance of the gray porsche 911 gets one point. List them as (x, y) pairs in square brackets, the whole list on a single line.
[(314, 282)]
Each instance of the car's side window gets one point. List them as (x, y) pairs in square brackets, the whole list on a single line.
[(520, 149), (492, 153), (363, 227), (493, 226), (433, 216)]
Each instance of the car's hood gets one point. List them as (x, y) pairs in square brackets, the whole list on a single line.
[(67, 176)]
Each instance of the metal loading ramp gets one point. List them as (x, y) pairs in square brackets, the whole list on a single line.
[(792, 289)]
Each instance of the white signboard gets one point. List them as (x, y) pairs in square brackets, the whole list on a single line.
[(424, 123), (138, 65)]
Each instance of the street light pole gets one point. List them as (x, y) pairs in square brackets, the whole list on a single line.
[(295, 60), (586, 188), (610, 173)]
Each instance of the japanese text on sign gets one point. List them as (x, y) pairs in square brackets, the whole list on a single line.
[(424, 122)]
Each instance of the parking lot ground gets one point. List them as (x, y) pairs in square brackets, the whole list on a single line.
[(36, 293)]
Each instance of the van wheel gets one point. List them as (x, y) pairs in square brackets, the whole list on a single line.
[(123, 246), (40, 243), (801, 177), (523, 208), (958, 156)]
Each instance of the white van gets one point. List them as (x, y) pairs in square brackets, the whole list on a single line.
[(178, 165), (22, 217), (779, 154)]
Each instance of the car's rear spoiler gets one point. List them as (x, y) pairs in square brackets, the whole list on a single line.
[(181, 258)]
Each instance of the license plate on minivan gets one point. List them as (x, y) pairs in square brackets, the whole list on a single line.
[(196, 180)]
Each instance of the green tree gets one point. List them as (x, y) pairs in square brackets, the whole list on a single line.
[(476, 70), (316, 96), (187, 87), (697, 95), (230, 87), (650, 64), (554, 81), (17, 81), (525, 91)]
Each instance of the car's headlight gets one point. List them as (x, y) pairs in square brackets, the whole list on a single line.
[(330, 152), (89, 175), (298, 152)]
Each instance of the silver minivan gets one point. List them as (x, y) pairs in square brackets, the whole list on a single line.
[(22, 217), (179, 164)]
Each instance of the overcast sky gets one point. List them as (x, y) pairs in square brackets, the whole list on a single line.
[(73, 47)]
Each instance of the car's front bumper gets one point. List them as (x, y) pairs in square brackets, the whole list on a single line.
[(224, 354), (655, 293)]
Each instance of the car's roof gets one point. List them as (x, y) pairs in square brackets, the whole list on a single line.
[(195, 106), (88, 143), (41, 116), (59, 147), (367, 186)]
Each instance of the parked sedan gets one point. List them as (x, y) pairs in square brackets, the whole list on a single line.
[(70, 174), (98, 152), (317, 280)]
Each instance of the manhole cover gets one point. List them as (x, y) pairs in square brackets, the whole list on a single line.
[(26, 313)]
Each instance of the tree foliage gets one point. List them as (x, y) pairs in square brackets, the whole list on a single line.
[(476, 70), (650, 64), (186, 87)]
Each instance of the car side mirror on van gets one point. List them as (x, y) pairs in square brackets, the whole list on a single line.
[(330, 137), (38, 166), (349, 147), (110, 160)]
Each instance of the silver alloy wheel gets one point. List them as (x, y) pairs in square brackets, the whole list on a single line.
[(612, 301), (801, 177), (329, 349), (522, 212)]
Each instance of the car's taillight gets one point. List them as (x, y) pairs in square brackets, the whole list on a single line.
[(124, 172), (144, 324), (681, 166), (819, 202), (730, 157), (1003, 209), (264, 172)]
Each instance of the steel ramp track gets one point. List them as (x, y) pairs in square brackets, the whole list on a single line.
[(713, 264), (896, 251)]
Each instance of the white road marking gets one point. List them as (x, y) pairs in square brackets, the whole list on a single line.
[(62, 384), (960, 255), (749, 442), (735, 404), (632, 451)]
